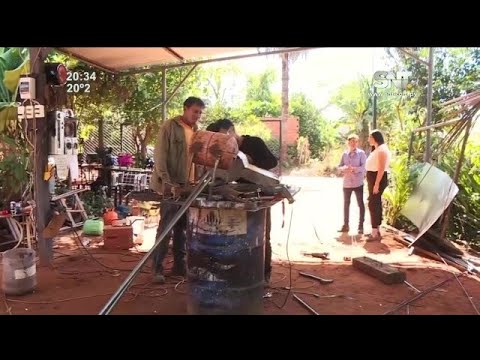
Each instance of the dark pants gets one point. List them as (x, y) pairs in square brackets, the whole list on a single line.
[(347, 195), (268, 245), (167, 212), (375, 200)]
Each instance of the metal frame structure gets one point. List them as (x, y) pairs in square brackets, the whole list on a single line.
[(163, 68), (39, 54)]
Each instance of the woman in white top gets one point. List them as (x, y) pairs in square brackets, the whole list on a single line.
[(377, 166)]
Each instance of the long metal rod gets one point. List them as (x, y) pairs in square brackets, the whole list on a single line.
[(428, 139), (463, 287), (413, 56), (174, 53), (169, 97), (204, 180), (180, 83), (312, 310), (418, 296), (437, 125)]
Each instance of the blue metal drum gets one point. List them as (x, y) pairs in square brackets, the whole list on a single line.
[(225, 261)]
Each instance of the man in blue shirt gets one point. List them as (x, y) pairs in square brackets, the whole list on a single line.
[(352, 166)]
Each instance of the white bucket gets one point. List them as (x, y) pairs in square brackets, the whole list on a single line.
[(138, 226)]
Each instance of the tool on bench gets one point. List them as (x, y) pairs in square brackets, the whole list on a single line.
[(321, 280)]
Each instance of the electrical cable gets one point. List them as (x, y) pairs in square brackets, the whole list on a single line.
[(289, 262)]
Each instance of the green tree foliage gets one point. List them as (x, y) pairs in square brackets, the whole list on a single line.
[(320, 133), (107, 92), (142, 109), (456, 72), (218, 81), (465, 220), (134, 100), (260, 100), (247, 114), (354, 99)]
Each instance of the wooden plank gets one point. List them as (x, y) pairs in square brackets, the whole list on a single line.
[(384, 272), (53, 227)]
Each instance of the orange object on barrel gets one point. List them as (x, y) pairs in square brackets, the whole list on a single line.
[(109, 216), (207, 146)]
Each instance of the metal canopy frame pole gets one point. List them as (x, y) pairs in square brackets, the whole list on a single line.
[(164, 94), (180, 83), (428, 140), (199, 62), (169, 97)]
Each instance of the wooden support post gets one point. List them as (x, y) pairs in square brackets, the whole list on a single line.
[(41, 192)]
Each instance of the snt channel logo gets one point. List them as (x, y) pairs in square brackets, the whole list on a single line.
[(390, 79)]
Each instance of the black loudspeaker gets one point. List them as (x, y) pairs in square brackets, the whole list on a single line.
[(56, 74)]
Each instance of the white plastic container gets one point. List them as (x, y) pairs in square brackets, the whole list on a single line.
[(138, 226)]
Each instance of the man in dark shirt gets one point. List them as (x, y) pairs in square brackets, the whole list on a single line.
[(259, 155)]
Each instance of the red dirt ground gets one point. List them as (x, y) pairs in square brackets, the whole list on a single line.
[(82, 283)]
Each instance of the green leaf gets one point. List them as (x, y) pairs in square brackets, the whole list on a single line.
[(12, 77)]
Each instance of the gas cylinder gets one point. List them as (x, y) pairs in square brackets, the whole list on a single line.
[(109, 216), (209, 146), (93, 227)]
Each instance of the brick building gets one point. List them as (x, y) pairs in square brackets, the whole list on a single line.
[(273, 123)]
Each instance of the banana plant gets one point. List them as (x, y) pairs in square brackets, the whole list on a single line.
[(14, 62)]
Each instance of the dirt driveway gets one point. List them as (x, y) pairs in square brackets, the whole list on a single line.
[(81, 282)]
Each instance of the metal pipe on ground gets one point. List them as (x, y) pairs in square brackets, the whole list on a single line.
[(203, 182), (419, 295), (308, 307)]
